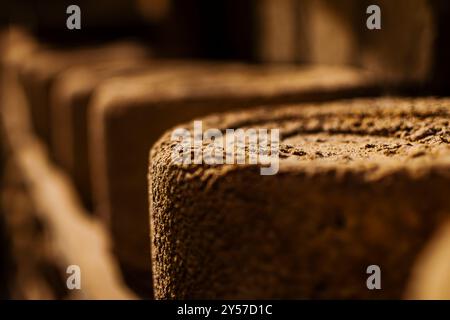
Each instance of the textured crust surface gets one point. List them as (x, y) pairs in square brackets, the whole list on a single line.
[(130, 114), (361, 182)]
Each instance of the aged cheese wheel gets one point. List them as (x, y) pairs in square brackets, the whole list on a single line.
[(69, 102), (40, 71), (360, 183), (130, 113)]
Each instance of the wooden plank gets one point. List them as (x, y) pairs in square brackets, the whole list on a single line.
[(76, 237)]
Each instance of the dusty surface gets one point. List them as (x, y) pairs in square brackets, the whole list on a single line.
[(361, 182), (130, 114)]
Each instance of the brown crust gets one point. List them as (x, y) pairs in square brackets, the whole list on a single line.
[(130, 113), (361, 182)]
